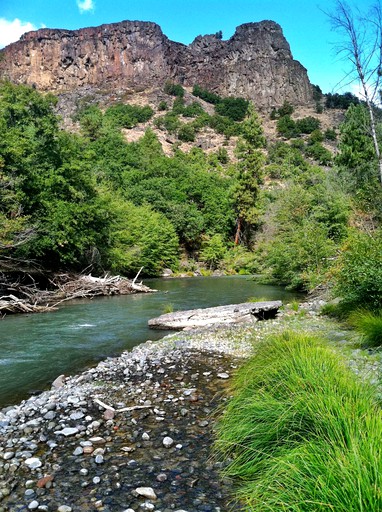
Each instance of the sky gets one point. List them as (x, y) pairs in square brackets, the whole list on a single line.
[(304, 23)]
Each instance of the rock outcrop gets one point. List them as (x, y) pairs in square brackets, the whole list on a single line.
[(256, 62), (231, 314)]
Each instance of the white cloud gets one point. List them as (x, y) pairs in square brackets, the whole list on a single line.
[(85, 5), (11, 31)]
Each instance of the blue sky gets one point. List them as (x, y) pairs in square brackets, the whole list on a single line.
[(305, 26)]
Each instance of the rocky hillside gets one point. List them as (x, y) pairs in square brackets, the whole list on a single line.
[(255, 63)]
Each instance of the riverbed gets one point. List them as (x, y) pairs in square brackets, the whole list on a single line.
[(35, 349)]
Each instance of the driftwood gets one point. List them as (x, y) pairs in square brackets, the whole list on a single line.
[(234, 313), (31, 299)]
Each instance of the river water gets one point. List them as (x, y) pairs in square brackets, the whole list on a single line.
[(35, 349)]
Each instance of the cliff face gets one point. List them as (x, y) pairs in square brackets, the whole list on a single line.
[(256, 62)]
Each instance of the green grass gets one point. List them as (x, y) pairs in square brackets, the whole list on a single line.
[(369, 325), (301, 433), (168, 308)]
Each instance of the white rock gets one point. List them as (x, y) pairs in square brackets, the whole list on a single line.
[(168, 441), (145, 436), (64, 508), (146, 492), (33, 462), (67, 431), (33, 505)]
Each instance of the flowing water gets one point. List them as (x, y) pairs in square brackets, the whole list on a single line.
[(35, 349)]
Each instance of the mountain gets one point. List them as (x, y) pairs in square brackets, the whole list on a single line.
[(255, 63)]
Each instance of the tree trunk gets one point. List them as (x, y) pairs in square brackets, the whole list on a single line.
[(238, 232)]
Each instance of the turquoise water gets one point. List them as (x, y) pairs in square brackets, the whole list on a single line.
[(35, 349)]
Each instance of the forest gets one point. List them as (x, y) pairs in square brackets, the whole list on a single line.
[(291, 210)]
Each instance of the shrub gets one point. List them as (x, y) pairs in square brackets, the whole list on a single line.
[(213, 251), (330, 134), (359, 272), (186, 133), (319, 153), (287, 127), (307, 124), (162, 106), (286, 110), (301, 430), (174, 89), (369, 325), (204, 94), (127, 116), (193, 110), (233, 108)]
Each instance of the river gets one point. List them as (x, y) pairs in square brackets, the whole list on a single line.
[(35, 349)]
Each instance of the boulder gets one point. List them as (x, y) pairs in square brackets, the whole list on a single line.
[(233, 313)]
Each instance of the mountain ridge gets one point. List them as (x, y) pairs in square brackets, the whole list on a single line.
[(255, 63)]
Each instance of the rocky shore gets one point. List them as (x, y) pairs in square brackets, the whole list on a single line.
[(135, 433)]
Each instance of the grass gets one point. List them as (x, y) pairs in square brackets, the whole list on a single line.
[(369, 325), (301, 433), (168, 308)]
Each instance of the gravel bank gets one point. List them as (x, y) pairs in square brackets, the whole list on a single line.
[(135, 433)]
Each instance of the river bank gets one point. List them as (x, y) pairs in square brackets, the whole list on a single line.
[(135, 432)]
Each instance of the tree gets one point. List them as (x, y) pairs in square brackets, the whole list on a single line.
[(362, 47), (249, 170)]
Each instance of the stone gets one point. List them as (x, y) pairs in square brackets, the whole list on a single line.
[(223, 375), (67, 431), (145, 436), (235, 313), (167, 442), (33, 505), (33, 463), (58, 382), (99, 459), (43, 482), (64, 508), (146, 492)]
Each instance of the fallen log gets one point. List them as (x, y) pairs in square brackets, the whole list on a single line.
[(65, 287), (234, 313)]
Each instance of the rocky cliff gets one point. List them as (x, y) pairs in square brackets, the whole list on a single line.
[(256, 62)]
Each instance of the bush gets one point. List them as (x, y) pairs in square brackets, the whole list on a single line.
[(286, 110), (369, 325), (301, 430), (213, 251), (162, 106), (359, 272), (193, 110), (287, 127), (174, 89), (307, 124), (319, 153), (233, 108), (204, 94), (127, 116), (330, 134), (186, 133)]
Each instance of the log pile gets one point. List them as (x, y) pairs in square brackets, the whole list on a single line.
[(31, 299)]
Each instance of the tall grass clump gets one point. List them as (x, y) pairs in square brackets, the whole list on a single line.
[(301, 433), (369, 325)]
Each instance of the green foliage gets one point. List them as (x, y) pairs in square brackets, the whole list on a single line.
[(169, 122), (369, 325), (285, 110), (224, 125), (341, 101), (233, 108), (318, 152), (307, 124), (193, 110), (206, 95), (213, 251), (330, 134), (186, 133), (307, 221), (300, 430), (240, 260), (141, 237), (359, 271), (356, 157), (287, 127), (162, 106), (127, 116), (174, 89)]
